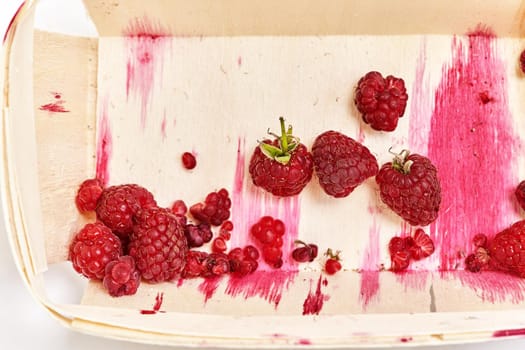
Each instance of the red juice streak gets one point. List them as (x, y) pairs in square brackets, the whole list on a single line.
[(369, 288), (472, 145), (145, 47), (163, 127), (314, 301), (509, 333), (493, 287), (12, 21), (239, 61), (156, 307), (268, 285), (208, 287), (304, 342), (405, 339), (55, 107), (416, 280), (420, 105), (104, 143)]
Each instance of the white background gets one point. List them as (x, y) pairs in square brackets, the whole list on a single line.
[(24, 324)]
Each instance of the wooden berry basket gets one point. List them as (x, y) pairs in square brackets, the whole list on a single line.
[(165, 77)]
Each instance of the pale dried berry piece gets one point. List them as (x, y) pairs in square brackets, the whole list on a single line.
[(119, 204), (381, 101), (121, 277), (215, 209), (188, 160), (341, 163), (158, 245), (88, 195), (92, 248)]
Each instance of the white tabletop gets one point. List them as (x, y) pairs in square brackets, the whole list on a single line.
[(24, 324)]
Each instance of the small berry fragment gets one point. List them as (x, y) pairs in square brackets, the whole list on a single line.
[(341, 163), (197, 235), (215, 209), (219, 245), (480, 240), (188, 160), (381, 101), (400, 261), (422, 246), (194, 266), (179, 208), (332, 264), (88, 195), (121, 277), (92, 248), (305, 252), (522, 61)]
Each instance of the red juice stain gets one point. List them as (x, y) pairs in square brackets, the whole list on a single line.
[(268, 285), (313, 303), (208, 287), (163, 127), (369, 286), (239, 61), (12, 21), (146, 45), (104, 143), (493, 287), (304, 342), (416, 280), (473, 147), (156, 307), (56, 106), (509, 333), (405, 339)]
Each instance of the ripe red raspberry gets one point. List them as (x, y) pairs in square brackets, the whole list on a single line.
[(158, 245), (410, 187), (215, 209), (507, 249), (341, 163), (88, 195), (283, 166), (121, 277), (92, 248), (520, 194), (381, 101), (119, 204)]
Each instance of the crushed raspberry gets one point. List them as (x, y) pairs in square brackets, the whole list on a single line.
[(215, 209), (88, 195), (194, 266), (197, 235), (121, 277)]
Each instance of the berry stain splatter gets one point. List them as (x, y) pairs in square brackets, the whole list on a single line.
[(104, 144), (313, 303), (55, 106), (156, 307)]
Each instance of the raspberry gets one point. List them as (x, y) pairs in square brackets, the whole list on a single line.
[(332, 264), (304, 253), (422, 245), (197, 235), (188, 160), (243, 261), (215, 209), (158, 245), (283, 166), (194, 266), (507, 249), (92, 248), (121, 277), (341, 163), (119, 204), (520, 194), (88, 195), (410, 187), (381, 101)]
